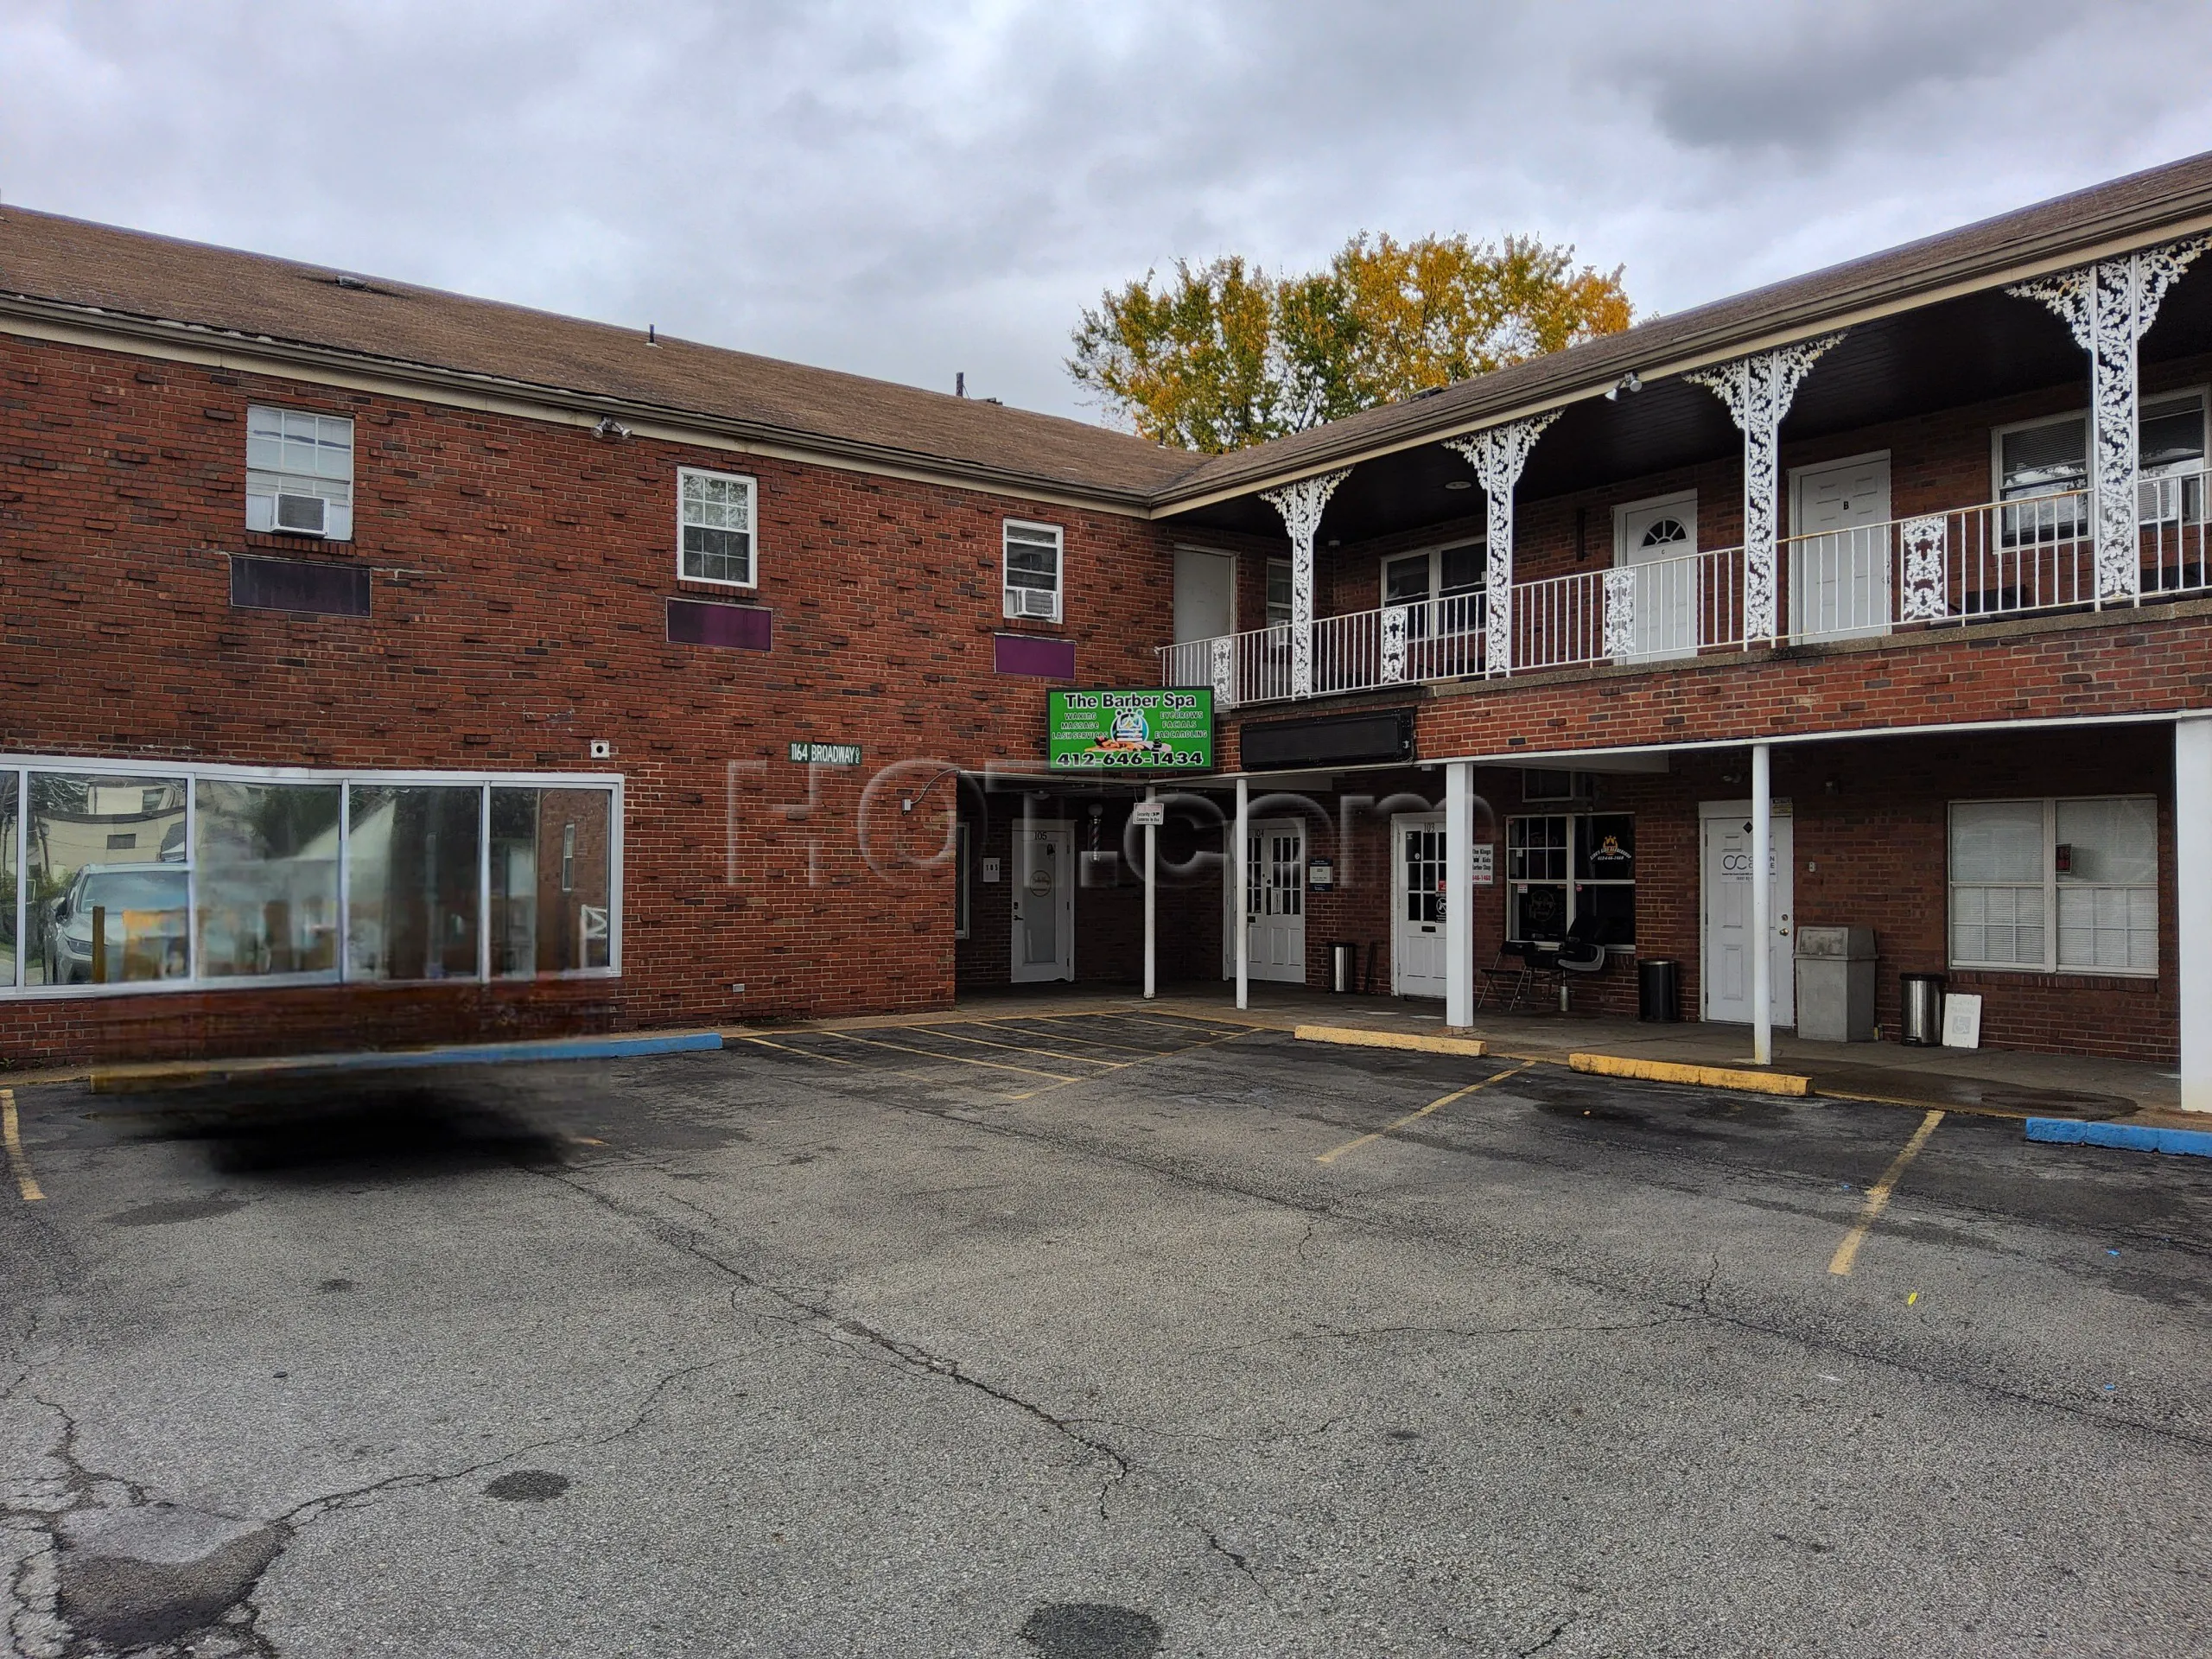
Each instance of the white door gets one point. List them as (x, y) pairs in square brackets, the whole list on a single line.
[(1044, 902), (1275, 903), (1205, 594), (1417, 955), (1727, 931), (1658, 540), (1839, 550)]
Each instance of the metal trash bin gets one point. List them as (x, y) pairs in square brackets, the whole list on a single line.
[(1659, 990), (1835, 984), (1343, 966), (1921, 1021)]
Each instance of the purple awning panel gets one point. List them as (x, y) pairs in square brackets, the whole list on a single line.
[(1043, 659), (728, 627)]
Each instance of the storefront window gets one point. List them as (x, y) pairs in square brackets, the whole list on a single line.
[(413, 868), (266, 864), (551, 882), (1571, 875), (106, 890), (2091, 865)]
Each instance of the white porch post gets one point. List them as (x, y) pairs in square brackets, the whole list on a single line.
[(1242, 896), (1498, 456), (2193, 879), (1762, 904), (1300, 505), (1151, 921), (1458, 893), (2109, 306), (1759, 390)]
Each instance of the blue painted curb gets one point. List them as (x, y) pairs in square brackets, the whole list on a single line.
[(558, 1048), (2132, 1137)]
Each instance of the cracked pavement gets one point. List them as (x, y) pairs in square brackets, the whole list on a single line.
[(816, 1347)]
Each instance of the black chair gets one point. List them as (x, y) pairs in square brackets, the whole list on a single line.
[(1512, 973), (1580, 952)]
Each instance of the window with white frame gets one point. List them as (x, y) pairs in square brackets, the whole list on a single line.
[(1279, 599), (112, 876), (1032, 570), (299, 472), (2043, 467), (1454, 577), (714, 517), (1571, 875), (2055, 885), (960, 891)]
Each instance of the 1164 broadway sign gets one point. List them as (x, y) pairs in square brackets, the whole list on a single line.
[(1150, 730)]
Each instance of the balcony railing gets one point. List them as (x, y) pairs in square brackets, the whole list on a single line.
[(1967, 565)]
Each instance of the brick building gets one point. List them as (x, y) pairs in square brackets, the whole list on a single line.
[(382, 666)]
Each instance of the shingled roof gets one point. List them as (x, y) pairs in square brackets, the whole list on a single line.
[(131, 276)]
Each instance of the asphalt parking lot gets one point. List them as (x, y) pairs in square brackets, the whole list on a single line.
[(1089, 1338)]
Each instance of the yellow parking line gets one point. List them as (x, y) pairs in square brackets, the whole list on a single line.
[(957, 1059), (810, 1053), (1412, 1117), (1877, 1196), (12, 1137), (1011, 1048), (1070, 1037)]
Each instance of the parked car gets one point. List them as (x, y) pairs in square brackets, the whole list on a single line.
[(123, 892)]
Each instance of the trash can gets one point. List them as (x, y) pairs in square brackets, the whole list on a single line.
[(1835, 984), (1921, 1023), (1343, 966), (1658, 989)]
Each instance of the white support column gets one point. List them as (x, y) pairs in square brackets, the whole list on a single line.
[(1300, 505), (2109, 307), (1762, 904), (1243, 895), (1759, 390), (1498, 456), (1458, 893), (1151, 919), (2193, 880)]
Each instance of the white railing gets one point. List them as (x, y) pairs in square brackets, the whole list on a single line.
[(1965, 565)]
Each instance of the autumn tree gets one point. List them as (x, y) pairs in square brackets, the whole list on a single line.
[(1225, 355)]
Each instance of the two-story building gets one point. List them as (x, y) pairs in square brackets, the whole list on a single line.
[(384, 665)]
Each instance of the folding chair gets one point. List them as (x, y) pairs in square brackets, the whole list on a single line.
[(1510, 974)]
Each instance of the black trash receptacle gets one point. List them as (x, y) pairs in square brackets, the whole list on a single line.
[(1659, 990), (1344, 964), (1920, 1009)]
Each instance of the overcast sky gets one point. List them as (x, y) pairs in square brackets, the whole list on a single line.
[(907, 190)]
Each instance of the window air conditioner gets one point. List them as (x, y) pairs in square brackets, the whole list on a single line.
[(302, 515), (1032, 601)]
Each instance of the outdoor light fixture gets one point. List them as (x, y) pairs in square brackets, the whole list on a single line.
[(1628, 381), (1460, 484), (610, 429)]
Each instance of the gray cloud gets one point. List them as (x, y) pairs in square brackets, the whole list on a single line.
[(910, 191)]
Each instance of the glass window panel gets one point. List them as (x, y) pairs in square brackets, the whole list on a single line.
[(1997, 841), (551, 881), (1604, 914), (1405, 582), (1605, 850), (2114, 841), (1539, 912), (2041, 459), (267, 879), (1466, 569), (1279, 596), (106, 850), (10, 828), (2172, 434), (411, 881)]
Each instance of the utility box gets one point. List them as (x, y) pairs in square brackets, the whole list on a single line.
[(1835, 984)]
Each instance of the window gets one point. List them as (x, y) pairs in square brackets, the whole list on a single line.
[(1032, 570), (299, 472), (2055, 885), (1571, 875), (714, 517), (2038, 460), (1279, 605), (960, 895), (1453, 577), (226, 876)]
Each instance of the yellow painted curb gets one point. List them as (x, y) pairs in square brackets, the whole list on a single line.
[(1703, 1077), (1354, 1036)]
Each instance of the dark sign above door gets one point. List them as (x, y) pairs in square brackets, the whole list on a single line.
[(1328, 740)]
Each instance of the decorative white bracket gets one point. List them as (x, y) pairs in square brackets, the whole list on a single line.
[(2109, 307), (1759, 390), (1924, 543), (1498, 454), (1300, 505), (1620, 613), (1394, 631), (1221, 666)]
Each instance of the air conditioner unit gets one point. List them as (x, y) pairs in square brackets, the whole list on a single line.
[(302, 515), (1032, 601)]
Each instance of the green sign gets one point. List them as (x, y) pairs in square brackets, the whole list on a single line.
[(1151, 730), (826, 755)]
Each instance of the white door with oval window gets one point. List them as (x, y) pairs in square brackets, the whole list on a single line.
[(1044, 901), (1275, 903), (1417, 953), (1657, 539), (1728, 944)]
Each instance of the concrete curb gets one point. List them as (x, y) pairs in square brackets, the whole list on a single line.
[(134, 1079), (2129, 1137), (1702, 1076), (1359, 1037)]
